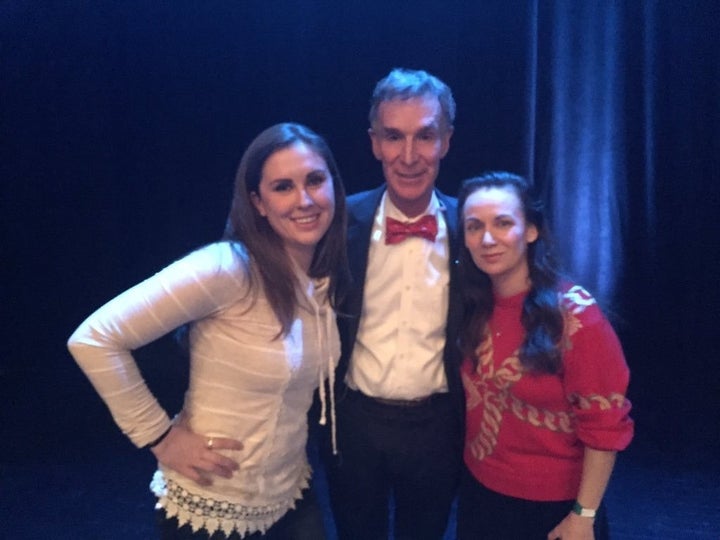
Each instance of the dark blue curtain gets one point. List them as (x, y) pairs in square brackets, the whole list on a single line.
[(583, 61), (627, 150), (121, 124)]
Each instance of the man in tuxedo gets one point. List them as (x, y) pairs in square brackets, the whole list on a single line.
[(399, 395)]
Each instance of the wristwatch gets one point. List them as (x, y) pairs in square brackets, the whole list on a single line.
[(584, 512)]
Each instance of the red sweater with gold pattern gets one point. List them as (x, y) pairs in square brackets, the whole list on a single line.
[(526, 433)]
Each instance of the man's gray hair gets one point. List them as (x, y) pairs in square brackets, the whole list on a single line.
[(404, 84)]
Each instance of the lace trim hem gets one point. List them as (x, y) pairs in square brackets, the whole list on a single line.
[(218, 515)]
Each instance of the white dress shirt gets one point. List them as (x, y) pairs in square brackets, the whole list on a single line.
[(401, 335)]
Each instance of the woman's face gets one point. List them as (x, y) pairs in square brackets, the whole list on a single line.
[(497, 236), (297, 197)]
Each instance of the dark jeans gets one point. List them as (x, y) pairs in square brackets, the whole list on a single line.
[(304, 522), (484, 514), (412, 454)]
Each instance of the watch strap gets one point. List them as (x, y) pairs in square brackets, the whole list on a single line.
[(584, 512)]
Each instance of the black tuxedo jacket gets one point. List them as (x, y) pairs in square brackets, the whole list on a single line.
[(361, 209)]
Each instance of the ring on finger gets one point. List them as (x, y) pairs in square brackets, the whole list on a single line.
[(209, 443)]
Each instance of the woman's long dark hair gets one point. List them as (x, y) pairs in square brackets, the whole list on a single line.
[(246, 226), (541, 318)]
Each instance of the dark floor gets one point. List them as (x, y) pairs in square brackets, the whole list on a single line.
[(101, 493), (67, 472)]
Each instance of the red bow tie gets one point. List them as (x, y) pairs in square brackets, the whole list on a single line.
[(397, 231)]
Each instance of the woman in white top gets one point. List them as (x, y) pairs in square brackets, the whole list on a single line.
[(262, 338)]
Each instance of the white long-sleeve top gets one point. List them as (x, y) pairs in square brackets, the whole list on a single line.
[(245, 382)]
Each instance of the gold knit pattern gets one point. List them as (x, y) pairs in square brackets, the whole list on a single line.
[(492, 389)]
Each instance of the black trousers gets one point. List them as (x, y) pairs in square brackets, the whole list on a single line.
[(410, 455), (484, 514), (304, 522)]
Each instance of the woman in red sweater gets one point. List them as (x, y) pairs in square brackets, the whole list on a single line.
[(544, 374)]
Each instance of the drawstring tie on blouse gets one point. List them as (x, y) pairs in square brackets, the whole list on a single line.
[(326, 370)]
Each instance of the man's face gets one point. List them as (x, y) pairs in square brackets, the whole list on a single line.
[(410, 138)]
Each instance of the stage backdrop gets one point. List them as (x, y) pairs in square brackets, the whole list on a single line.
[(122, 124)]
